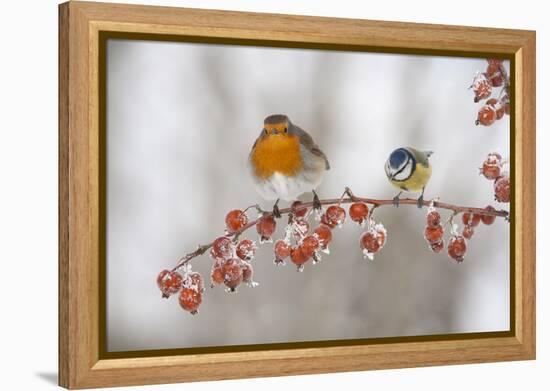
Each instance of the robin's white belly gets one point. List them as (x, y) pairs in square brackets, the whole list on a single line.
[(287, 188)]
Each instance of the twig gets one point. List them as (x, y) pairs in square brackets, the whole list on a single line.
[(346, 200)]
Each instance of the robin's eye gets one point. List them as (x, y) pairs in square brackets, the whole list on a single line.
[(286, 130)]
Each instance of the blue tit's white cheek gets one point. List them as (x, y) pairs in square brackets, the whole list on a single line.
[(405, 172)]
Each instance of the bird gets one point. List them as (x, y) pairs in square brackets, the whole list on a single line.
[(285, 162), (409, 170)]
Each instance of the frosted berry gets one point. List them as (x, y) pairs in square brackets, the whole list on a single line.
[(495, 76), (216, 274), (195, 280), (495, 61), (487, 219), (222, 248), (310, 244), (235, 220), (486, 116), (433, 218), (248, 273), (457, 248), (190, 299), (373, 240), (437, 246), (335, 215), (497, 106), (326, 222), (491, 166), (299, 256), (505, 101), (169, 282), (433, 234), (471, 219), (358, 212), (281, 250), (232, 273), (482, 87), (246, 249), (468, 232), (298, 210), (324, 234), (265, 227), (502, 189)]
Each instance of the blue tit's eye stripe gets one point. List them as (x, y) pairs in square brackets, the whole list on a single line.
[(409, 158)]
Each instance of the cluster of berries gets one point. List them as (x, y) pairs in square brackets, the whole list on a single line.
[(483, 84), (492, 169), (189, 284), (457, 244)]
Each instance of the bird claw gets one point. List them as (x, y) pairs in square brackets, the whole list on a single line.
[(276, 212), (316, 202), (420, 202), (396, 201)]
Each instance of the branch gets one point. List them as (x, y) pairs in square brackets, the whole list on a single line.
[(347, 197)]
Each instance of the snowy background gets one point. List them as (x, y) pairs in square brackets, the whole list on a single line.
[(181, 120)]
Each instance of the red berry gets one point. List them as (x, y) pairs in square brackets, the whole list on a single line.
[(281, 250), (298, 210), (497, 106), (222, 248), (190, 300), (433, 234), (358, 212), (325, 221), (194, 280), (468, 231), (433, 218), (437, 246), (324, 234), (266, 227), (335, 215), (248, 272), (300, 228), (487, 219), (169, 282), (482, 87), (373, 240), (310, 244), (235, 220), (506, 103), (232, 273), (299, 256), (457, 248), (486, 116), (471, 219), (502, 189), (494, 74), (495, 61), (216, 274), (491, 166), (246, 249)]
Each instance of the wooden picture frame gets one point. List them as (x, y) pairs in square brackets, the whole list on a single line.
[(84, 26)]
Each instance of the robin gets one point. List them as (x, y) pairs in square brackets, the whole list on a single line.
[(409, 170), (285, 162)]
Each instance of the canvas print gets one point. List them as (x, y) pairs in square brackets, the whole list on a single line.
[(262, 195)]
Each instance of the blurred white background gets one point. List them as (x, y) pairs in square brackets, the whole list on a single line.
[(181, 121)]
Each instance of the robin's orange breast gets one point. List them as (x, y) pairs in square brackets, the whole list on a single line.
[(277, 153)]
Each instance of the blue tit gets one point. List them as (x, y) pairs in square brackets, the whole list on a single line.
[(409, 170)]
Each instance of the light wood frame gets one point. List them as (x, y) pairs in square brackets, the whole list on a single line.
[(80, 25)]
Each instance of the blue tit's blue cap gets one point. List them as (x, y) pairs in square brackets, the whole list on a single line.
[(397, 158)]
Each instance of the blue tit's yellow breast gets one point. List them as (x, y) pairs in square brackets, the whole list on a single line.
[(417, 180)]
